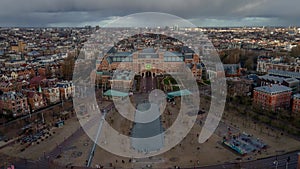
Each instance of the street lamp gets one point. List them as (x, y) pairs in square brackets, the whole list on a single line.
[(287, 162), (276, 162)]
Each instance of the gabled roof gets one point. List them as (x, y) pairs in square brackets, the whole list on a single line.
[(33, 53), (37, 79)]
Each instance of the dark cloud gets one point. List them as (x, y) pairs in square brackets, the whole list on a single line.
[(79, 12)]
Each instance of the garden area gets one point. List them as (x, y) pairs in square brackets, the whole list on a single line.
[(170, 84)]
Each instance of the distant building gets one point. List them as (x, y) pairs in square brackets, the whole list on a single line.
[(20, 47), (266, 80), (296, 104), (6, 86), (266, 63), (36, 100), (254, 78), (151, 62), (32, 54), (14, 103), (239, 87), (232, 70), (292, 83), (272, 97), (283, 73), (15, 63), (216, 73), (122, 80), (41, 71), (13, 86), (25, 74), (66, 89), (38, 81), (52, 95)]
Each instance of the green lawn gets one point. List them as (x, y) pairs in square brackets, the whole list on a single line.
[(166, 81), (176, 88), (173, 81)]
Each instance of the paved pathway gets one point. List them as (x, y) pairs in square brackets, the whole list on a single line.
[(47, 160)]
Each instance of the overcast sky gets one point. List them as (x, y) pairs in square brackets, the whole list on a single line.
[(199, 12)]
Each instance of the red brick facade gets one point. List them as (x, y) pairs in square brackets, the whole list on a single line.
[(296, 105), (272, 101), (14, 103)]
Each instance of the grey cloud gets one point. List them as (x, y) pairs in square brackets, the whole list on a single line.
[(45, 12)]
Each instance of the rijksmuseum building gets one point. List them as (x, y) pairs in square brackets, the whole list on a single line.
[(147, 55)]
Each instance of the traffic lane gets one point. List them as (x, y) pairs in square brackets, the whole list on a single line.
[(269, 162), (266, 163)]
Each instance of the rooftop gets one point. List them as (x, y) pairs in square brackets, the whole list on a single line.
[(284, 73), (11, 96), (272, 78), (291, 80), (123, 75), (148, 50), (180, 93), (272, 89), (296, 96), (115, 93)]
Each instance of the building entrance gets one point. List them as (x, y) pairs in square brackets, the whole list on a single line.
[(148, 74)]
